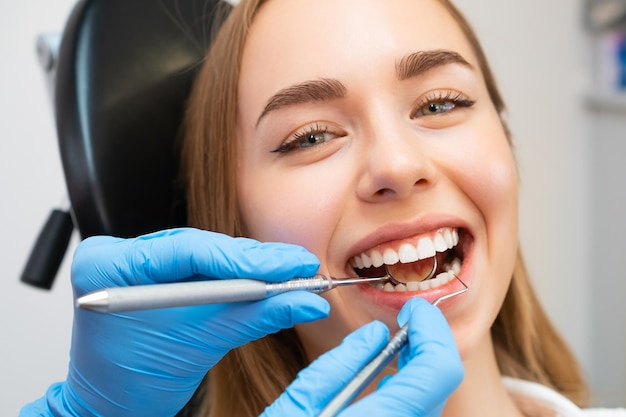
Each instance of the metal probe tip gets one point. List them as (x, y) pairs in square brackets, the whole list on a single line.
[(96, 301)]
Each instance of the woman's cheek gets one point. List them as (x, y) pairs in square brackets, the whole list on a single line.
[(484, 167), (494, 191), (298, 207)]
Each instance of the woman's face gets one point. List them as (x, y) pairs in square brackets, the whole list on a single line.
[(366, 134)]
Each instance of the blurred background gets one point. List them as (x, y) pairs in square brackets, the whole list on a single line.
[(561, 67)]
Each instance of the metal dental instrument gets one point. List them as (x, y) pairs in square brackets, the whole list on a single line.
[(376, 365), (145, 297), (397, 281)]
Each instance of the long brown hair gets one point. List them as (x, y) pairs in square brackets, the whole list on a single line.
[(251, 377)]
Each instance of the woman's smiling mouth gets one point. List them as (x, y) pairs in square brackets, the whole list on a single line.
[(411, 260)]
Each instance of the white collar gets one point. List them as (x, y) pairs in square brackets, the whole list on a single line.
[(538, 400)]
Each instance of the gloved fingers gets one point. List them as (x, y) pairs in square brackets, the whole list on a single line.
[(179, 254), (317, 384), (193, 338), (430, 367), (427, 324), (240, 323)]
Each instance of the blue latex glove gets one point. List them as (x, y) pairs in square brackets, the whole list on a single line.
[(430, 370), (149, 363)]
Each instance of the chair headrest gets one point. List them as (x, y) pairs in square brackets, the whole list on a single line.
[(125, 70)]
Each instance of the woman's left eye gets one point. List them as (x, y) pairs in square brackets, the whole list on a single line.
[(439, 102), (307, 138)]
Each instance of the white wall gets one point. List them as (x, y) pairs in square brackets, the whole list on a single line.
[(537, 49), (571, 163), (34, 325), (609, 227)]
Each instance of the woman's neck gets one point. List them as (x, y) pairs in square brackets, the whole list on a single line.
[(482, 393)]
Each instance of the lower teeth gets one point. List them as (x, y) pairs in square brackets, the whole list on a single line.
[(453, 268)]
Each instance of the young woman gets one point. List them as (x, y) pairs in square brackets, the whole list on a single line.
[(369, 132)]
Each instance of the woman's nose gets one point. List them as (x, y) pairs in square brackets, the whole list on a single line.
[(395, 166)]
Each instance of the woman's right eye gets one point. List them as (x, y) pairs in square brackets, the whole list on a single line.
[(439, 103), (308, 137)]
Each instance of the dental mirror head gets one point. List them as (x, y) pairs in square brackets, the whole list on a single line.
[(396, 280)]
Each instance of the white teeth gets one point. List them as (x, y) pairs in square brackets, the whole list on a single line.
[(447, 236), (424, 285), (409, 253), (412, 285), (456, 266), (367, 262), (377, 259), (434, 282), (451, 236), (440, 243), (427, 247), (441, 279), (391, 257)]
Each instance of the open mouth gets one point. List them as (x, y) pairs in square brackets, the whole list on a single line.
[(412, 260)]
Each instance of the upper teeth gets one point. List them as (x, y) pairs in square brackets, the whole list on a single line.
[(426, 247)]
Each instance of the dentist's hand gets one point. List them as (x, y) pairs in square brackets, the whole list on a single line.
[(149, 363), (430, 370)]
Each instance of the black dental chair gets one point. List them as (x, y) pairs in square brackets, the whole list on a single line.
[(120, 80)]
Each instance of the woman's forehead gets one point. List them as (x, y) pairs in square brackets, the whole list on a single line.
[(334, 25), (294, 41)]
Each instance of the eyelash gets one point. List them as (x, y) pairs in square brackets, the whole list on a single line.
[(456, 98), (302, 138), (305, 138)]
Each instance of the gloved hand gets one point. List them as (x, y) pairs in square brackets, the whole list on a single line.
[(430, 370), (149, 363)]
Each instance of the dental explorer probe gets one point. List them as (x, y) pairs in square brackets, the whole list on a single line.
[(145, 297), (365, 376)]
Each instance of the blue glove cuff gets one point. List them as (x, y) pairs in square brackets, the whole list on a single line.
[(42, 406)]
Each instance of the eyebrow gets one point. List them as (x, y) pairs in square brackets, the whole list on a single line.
[(307, 92), (326, 89), (420, 62)]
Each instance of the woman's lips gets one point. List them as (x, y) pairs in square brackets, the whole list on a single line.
[(456, 258), (395, 300)]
